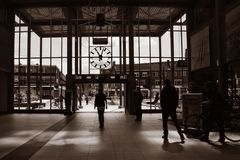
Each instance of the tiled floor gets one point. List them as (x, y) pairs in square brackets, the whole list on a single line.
[(53, 136)]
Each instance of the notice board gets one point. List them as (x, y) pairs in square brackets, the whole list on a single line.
[(192, 104)]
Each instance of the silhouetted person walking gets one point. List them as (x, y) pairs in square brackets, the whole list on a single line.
[(86, 99), (169, 103), (100, 103), (138, 98), (216, 105)]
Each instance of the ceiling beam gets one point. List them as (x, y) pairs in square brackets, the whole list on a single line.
[(133, 3), (114, 34), (114, 22)]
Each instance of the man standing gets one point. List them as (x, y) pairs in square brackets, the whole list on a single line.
[(216, 112), (100, 103), (169, 103), (138, 97)]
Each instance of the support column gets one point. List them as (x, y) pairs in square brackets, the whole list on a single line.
[(80, 69), (120, 54), (189, 22), (120, 70), (68, 93), (40, 70), (76, 49), (69, 42), (131, 45), (124, 49), (75, 88), (131, 78), (160, 63), (28, 67), (221, 46), (172, 50), (10, 103), (124, 55)]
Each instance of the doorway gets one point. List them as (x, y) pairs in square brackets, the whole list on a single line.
[(115, 93)]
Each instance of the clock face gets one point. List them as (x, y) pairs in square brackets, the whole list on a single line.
[(100, 57)]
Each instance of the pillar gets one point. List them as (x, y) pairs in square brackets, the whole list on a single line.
[(69, 87), (40, 70), (221, 46), (29, 66), (160, 63), (189, 14), (172, 50), (75, 95), (131, 85)]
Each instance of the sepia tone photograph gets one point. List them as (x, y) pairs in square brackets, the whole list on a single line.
[(119, 79)]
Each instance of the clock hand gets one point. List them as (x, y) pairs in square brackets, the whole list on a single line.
[(100, 57), (97, 51)]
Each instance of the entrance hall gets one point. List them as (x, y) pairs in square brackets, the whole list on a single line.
[(55, 53)]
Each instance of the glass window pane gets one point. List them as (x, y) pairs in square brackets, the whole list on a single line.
[(116, 60), (115, 47), (85, 65), (35, 61), (73, 46), (17, 19), (185, 44), (165, 43), (73, 65), (145, 60), (144, 47), (64, 65), (85, 52), (23, 61), (177, 44), (176, 27), (154, 47), (64, 43), (35, 45), (136, 61), (127, 47), (56, 47), (23, 45), (136, 46), (16, 45), (45, 61), (57, 62), (46, 47)]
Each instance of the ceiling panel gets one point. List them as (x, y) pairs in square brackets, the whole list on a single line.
[(44, 13), (146, 19)]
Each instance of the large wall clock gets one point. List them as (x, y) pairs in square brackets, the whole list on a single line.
[(100, 57)]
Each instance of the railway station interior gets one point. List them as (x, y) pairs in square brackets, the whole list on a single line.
[(56, 54)]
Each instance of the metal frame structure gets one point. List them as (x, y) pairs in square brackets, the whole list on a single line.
[(77, 19)]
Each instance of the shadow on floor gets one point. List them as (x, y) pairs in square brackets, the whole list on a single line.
[(227, 148), (174, 147)]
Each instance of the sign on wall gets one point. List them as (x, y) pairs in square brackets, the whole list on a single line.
[(233, 34), (192, 105), (200, 52)]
